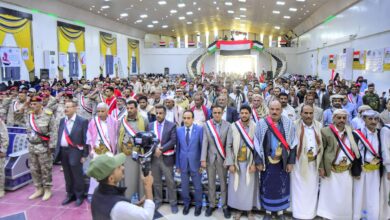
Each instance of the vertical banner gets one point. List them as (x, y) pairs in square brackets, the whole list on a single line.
[(374, 60), (332, 61), (71, 48), (108, 51), (133, 56), (386, 59), (359, 60)]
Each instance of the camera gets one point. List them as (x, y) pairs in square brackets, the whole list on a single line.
[(144, 145)]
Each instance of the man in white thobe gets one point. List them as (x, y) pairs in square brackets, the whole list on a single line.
[(385, 185), (288, 110)]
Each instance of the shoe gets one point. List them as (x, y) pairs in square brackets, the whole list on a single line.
[(282, 217), (198, 211), (157, 205), (251, 216), (2, 194), (174, 209), (68, 200), (226, 213), (89, 198), (47, 195), (237, 216), (267, 217), (79, 201), (38, 193), (209, 211), (186, 210)]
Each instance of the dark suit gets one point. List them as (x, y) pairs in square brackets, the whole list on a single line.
[(325, 101), (71, 156), (231, 114), (164, 164), (188, 161)]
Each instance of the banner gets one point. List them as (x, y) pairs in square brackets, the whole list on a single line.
[(133, 56), (374, 60), (386, 59), (10, 56), (108, 50), (332, 61), (359, 60)]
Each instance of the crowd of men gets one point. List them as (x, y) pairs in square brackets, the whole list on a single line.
[(316, 148)]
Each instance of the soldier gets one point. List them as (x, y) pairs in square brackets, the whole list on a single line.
[(3, 152), (42, 140), (85, 103), (15, 117)]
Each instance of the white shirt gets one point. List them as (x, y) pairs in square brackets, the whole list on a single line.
[(199, 117), (185, 130), (124, 211), (144, 113), (372, 137), (311, 142), (170, 116), (69, 125), (224, 114), (289, 112)]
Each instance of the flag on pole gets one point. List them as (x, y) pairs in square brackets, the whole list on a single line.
[(332, 76)]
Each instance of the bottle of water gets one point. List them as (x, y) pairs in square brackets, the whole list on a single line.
[(204, 201), (364, 215)]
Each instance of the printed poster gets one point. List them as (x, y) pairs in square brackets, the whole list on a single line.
[(359, 60), (374, 60), (324, 62), (386, 59), (10, 56)]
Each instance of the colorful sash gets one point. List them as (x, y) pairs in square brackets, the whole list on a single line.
[(366, 143), (118, 115), (101, 98), (347, 150), (155, 130), (36, 130), (85, 107), (102, 136), (248, 140), (111, 103), (204, 109), (216, 138), (277, 133), (350, 98), (128, 128), (14, 106), (255, 116), (67, 137)]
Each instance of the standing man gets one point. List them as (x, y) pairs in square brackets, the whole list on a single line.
[(4, 141), (72, 151), (189, 148), (216, 137), (304, 177), (309, 100), (259, 109), (120, 111), (340, 153), (287, 110), (354, 97), (366, 189), (130, 125), (15, 115), (371, 98), (229, 113), (243, 179), (336, 101), (110, 100), (42, 138), (385, 184), (174, 112), (275, 143), (86, 104), (164, 158), (201, 112), (148, 111)]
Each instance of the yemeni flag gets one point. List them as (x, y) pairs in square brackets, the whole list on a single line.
[(331, 58), (257, 46), (212, 48), (262, 79), (191, 44), (356, 56), (237, 47), (162, 44)]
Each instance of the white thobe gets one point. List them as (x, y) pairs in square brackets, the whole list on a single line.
[(366, 189), (385, 184), (199, 117), (289, 112), (335, 199), (304, 188), (170, 116)]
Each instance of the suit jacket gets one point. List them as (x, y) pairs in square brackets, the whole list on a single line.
[(208, 147), (78, 135), (231, 114), (168, 140), (188, 156), (325, 101)]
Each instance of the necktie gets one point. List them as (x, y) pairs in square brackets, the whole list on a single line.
[(159, 129), (188, 135)]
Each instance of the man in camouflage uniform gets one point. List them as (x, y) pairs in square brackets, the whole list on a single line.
[(85, 108), (41, 128), (15, 117), (4, 102), (371, 98), (3, 151)]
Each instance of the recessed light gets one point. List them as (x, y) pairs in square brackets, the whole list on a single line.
[(217, 8), (150, 25), (242, 9), (292, 9), (162, 2), (230, 12), (301, 0), (106, 0), (138, 21), (181, 5), (237, 18), (286, 17), (105, 6), (199, 9), (242, 0), (280, 3), (173, 11), (277, 27), (124, 15), (164, 26), (228, 3), (243, 16), (182, 18), (189, 22), (276, 12), (194, 3), (155, 22), (214, 2), (143, 16), (189, 13)]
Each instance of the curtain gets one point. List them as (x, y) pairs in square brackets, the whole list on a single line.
[(108, 41), (19, 25), (133, 56), (67, 34)]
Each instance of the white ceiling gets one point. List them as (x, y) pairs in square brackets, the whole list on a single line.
[(255, 16)]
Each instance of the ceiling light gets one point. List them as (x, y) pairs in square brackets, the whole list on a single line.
[(143, 16), (228, 3), (237, 18), (280, 3), (214, 2), (105, 6), (242, 9), (286, 17), (230, 12), (155, 22), (276, 12), (277, 27), (138, 21), (124, 15), (199, 9), (173, 11), (189, 13), (164, 26), (300, 0), (194, 3), (150, 25), (162, 2), (292, 9), (181, 5), (243, 16), (182, 18), (217, 8), (189, 22), (242, 0)]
